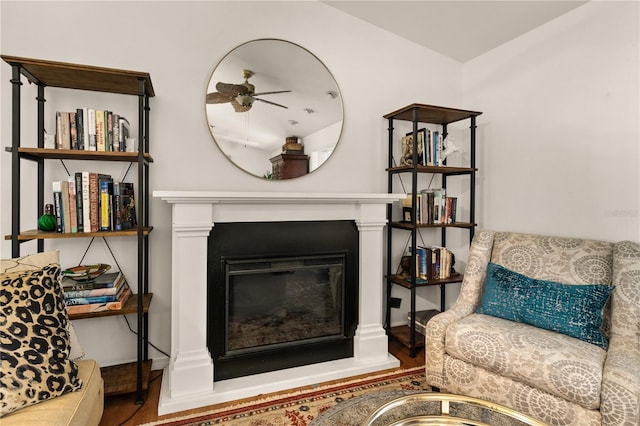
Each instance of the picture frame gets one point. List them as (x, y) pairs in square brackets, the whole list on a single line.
[(407, 148)]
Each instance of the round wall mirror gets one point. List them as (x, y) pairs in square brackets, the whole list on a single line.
[(274, 109)]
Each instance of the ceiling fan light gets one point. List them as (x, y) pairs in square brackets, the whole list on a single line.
[(244, 100)]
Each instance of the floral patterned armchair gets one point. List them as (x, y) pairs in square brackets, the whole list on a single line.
[(547, 374)]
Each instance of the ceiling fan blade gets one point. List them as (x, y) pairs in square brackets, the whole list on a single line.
[(219, 98), (232, 89), (271, 93), (271, 103), (239, 108)]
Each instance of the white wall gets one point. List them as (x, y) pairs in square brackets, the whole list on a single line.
[(559, 139), (179, 45)]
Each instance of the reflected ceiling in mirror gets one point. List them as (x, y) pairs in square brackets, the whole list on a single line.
[(274, 109)]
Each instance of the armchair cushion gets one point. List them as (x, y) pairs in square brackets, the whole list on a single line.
[(574, 310), (560, 365)]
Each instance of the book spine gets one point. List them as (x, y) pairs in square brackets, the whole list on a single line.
[(105, 201), (66, 219), (79, 202), (70, 301), (66, 134), (109, 122), (100, 136), (86, 210), (129, 219), (93, 201), (73, 212), (73, 130), (57, 204), (58, 130), (117, 207), (94, 292), (123, 132), (80, 128), (84, 116), (91, 129)]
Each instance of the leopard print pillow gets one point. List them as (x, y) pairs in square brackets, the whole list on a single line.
[(34, 342)]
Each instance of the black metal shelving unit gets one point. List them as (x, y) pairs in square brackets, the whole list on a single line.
[(126, 378), (432, 115)]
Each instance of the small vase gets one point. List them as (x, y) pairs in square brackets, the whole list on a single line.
[(47, 221)]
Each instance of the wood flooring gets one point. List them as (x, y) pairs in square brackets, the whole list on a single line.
[(122, 410)]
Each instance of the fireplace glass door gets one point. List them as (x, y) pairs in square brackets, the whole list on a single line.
[(275, 303)]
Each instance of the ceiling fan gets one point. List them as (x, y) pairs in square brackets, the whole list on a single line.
[(241, 96)]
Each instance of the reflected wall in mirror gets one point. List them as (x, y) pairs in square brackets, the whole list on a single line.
[(274, 109)]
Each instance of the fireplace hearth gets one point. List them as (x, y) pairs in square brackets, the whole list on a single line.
[(288, 300)]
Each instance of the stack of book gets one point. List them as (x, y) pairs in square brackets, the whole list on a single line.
[(108, 292)]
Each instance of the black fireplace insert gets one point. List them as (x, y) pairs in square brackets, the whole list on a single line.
[(281, 295)]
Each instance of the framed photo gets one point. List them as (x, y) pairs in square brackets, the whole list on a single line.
[(406, 214), (407, 148)]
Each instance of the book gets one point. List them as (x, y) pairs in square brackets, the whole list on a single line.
[(108, 119), (100, 307), (93, 202), (65, 135), (422, 318), (57, 204), (80, 128), (106, 189), (86, 211), (128, 209), (73, 131), (116, 216), (116, 132), (106, 280), (73, 214), (100, 127), (123, 133), (66, 219), (79, 202), (91, 130)]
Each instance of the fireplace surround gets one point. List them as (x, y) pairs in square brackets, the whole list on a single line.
[(188, 381)]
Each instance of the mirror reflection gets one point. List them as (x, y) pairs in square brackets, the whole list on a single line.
[(274, 109)]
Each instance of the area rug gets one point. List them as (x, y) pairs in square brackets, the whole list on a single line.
[(317, 406)]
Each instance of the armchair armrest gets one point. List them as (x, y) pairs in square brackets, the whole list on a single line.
[(468, 300), (620, 395)]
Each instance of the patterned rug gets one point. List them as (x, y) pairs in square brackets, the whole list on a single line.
[(341, 404)]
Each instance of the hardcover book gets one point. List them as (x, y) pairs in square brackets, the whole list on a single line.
[(106, 280)]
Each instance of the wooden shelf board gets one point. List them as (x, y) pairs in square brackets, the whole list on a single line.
[(445, 170), (404, 282), (82, 77), (408, 226), (432, 114), (36, 234), (402, 333), (130, 307), (121, 379), (74, 154)]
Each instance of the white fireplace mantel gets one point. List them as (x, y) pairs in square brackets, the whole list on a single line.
[(188, 380)]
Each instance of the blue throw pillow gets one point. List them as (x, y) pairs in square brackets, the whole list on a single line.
[(574, 310)]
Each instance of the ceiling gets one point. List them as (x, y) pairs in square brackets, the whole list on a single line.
[(461, 30)]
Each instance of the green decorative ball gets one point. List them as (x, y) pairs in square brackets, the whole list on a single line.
[(47, 222)]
